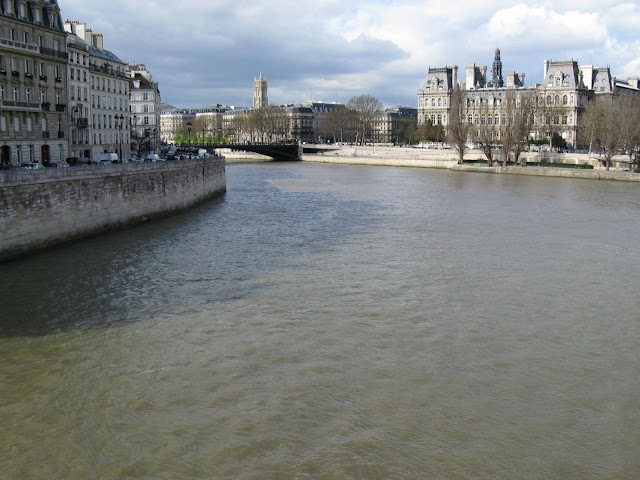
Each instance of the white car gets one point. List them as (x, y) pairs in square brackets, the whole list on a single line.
[(32, 166)]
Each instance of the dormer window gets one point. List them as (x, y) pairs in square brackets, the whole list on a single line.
[(37, 14), (23, 10)]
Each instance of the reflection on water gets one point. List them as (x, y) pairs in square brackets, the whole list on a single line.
[(335, 322)]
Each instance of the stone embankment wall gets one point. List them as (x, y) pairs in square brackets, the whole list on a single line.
[(448, 158), (40, 208)]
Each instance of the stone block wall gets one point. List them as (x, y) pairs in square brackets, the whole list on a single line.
[(39, 208)]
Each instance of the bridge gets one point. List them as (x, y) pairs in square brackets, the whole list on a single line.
[(277, 151)]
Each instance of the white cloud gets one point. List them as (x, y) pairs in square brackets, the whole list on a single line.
[(205, 52)]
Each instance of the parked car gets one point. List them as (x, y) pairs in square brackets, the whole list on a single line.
[(136, 160), (104, 162), (109, 157), (58, 165), (32, 166), (153, 157)]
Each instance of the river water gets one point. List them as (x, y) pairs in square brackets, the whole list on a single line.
[(335, 322)]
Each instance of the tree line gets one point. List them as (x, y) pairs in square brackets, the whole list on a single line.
[(608, 125)]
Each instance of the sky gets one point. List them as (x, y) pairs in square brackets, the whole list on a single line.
[(204, 52)]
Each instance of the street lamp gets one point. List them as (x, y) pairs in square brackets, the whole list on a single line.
[(119, 123), (189, 125)]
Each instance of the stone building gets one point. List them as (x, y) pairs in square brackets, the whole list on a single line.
[(172, 121), (79, 106), (387, 124), (260, 98), (107, 105), (434, 98), (34, 118), (144, 104), (560, 99)]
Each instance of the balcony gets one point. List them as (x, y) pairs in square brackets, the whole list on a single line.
[(18, 45), (28, 75), (15, 73), (60, 107), (22, 106), (49, 52), (3, 71), (82, 122), (58, 80), (45, 106), (43, 78), (45, 134), (107, 70), (60, 134)]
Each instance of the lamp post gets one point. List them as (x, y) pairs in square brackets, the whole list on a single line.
[(135, 129), (119, 123), (189, 125)]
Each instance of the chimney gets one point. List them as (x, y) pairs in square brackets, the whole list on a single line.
[(454, 77), (97, 41), (88, 37), (511, 79), (546, 70)]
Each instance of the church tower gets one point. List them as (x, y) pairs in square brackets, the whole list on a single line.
[(260, 98), (496, 79)]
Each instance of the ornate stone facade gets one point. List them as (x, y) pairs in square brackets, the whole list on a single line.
[(560, 99), (34, 118)]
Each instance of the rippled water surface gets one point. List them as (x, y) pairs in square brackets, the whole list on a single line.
[(335, 322)]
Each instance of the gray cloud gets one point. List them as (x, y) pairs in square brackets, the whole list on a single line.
[(205, 52)]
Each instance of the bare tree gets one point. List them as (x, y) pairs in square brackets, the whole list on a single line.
[(366, 109), (523, 123), (458, 125), (630, 124), (483, 131), (338, 124), (601, 120)]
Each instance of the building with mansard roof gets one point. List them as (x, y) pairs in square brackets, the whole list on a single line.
[(561, 97), (34, 118), (100, 119), (144, 103)]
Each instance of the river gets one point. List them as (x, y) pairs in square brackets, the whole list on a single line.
[(335, 322)]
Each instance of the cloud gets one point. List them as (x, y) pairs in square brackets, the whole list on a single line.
[(205, 52)]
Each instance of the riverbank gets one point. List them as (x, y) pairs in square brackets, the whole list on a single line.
[(448, 159), (45, 207)]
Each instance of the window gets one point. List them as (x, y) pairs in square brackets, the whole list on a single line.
[(14, 64), (14, 34), (29, 124), (145, 96), (146, 120), (16, 124), (43, 96), (19, 153), (25, 37), (28, 94), (2, 92), (3, 124), (41, 69), (16, 94), (58, 98), (41, 41)]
